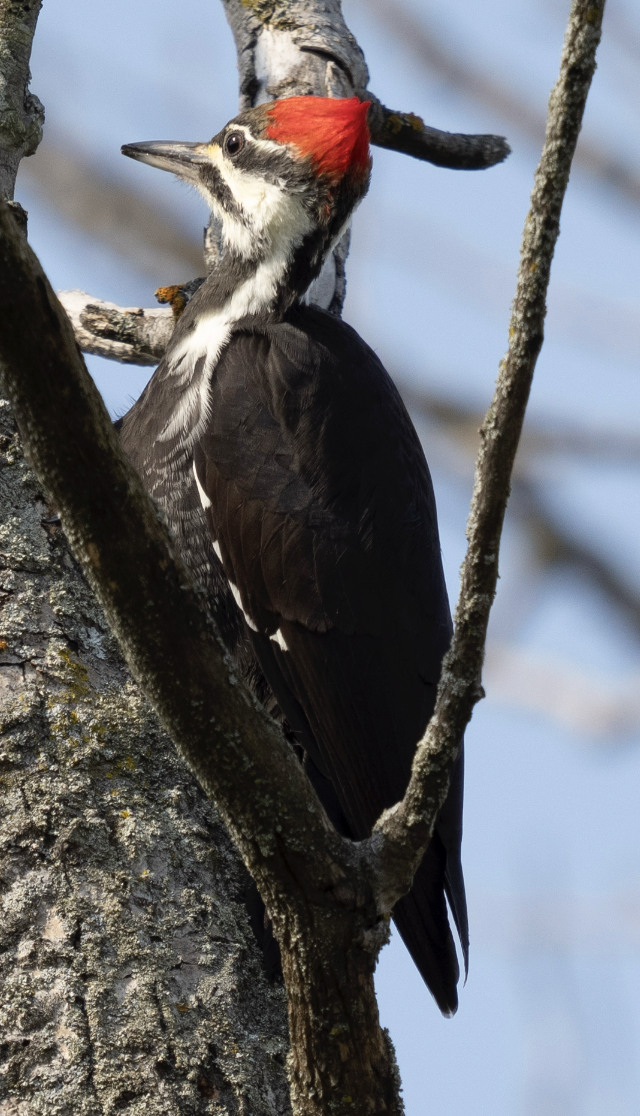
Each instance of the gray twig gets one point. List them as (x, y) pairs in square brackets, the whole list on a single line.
[(408, 134), (127, 334), (407, 827)]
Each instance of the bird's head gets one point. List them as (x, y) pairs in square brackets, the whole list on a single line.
[(282, 178)]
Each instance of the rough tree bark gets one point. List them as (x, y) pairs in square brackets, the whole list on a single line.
[(330, 899), (21, 113), (130, 979)]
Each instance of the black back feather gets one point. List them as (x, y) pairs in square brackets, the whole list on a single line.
[(323, 511)]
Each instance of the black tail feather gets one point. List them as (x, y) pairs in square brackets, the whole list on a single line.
[(449, 829), (421, 918)]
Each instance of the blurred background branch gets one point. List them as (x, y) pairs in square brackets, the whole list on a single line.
[(422, 39), (142, 232)]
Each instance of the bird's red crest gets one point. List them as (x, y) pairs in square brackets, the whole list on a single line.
[(333, 131)]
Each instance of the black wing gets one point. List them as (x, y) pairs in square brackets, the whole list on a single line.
[(323, 512)]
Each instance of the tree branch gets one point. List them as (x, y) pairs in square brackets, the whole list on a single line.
[(21, 114), (127, 334), (405, 830), (408, 134), (129, 975)]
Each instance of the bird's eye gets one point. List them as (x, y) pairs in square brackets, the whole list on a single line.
[(234, 143)]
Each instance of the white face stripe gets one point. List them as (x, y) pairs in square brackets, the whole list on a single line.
[(276, 223), (204, 499), (271, 209)]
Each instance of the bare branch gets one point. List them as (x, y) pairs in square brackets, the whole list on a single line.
[(409, 135), (405, 830), (21, 114), (142, 955), (128, 335)]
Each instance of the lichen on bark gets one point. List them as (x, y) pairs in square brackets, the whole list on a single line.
[(130, 978)]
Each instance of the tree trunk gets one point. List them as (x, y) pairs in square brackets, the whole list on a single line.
[(130, 978)]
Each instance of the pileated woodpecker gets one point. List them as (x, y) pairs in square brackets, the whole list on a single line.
[(295, 483)]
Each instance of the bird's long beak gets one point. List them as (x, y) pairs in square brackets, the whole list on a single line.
[(183, 159)]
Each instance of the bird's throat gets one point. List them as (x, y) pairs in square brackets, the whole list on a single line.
[(239, 293)]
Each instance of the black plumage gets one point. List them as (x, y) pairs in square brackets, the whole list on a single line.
[(322, 508), (297, 489)]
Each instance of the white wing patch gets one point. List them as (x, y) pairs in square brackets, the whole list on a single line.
[(235, 591), (204, 499), (280, 640), (236, 596)]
